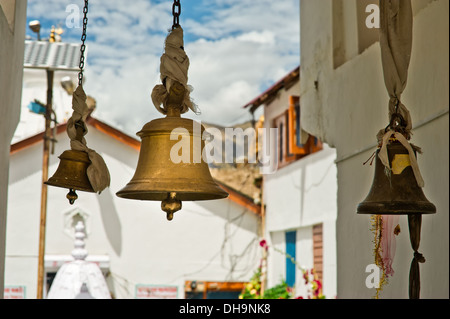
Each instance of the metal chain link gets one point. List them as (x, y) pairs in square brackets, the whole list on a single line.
[(176, 12), (83, 39)]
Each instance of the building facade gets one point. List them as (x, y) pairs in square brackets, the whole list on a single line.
[(12, 38), (141, 254), (299, 196), (345, 104)]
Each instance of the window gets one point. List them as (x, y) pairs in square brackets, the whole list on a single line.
[(212, 290), (293, 142), (284, 156), (290, 250), (350, 34)]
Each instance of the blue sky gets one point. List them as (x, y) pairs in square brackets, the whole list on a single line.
[(237, 49)]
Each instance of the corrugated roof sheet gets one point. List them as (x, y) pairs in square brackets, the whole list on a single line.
[(271, 92), (52, 55)]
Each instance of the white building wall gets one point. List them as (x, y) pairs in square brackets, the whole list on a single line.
[(346, 108), (298, 196), (211, 240), (12, 42), (303, 193)]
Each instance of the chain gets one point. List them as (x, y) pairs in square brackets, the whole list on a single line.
[(83, 39), (176, 11)]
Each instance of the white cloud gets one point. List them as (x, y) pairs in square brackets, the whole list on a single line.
[(239, 49), (264, 37)]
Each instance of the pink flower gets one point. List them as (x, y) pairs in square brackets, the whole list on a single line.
[(318, 283), (305, 276), (263, 244)]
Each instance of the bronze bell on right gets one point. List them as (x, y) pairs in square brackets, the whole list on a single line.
[(395, 193)]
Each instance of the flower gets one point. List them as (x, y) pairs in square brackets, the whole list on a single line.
[(263, 244), (318, 283)]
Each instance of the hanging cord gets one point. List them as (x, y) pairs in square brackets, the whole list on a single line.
[(415, 224), (83, 39), (176, 12), (174, 90), (396, 21), (97, 171)]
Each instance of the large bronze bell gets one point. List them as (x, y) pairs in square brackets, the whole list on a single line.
[(72, 174), (159, 178), (398, 191)]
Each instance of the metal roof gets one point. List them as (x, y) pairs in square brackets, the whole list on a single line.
[(52, 55), (271, 92)]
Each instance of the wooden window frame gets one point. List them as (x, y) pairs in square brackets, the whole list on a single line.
[(288, 123), (281, 122), (318, 250)]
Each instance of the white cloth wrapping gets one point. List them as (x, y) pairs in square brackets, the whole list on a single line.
[(396, 44), (97, 171), (174, 67)]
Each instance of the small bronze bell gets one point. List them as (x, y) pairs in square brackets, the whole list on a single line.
[(158, 177), (72, 174), (398, 191)]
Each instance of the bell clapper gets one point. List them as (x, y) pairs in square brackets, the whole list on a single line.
[(72, 196), (171, 205)]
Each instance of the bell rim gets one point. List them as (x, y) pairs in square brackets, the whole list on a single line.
[(56, 184), (160, 196), (210, 192), (396, 208)]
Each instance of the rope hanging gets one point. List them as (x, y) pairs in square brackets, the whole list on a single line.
[(174, 68), (396, 44), (97, 171)]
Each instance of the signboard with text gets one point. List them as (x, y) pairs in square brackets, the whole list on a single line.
[(156, 292), (14, 292)]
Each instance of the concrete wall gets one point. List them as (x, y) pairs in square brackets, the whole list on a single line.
[(298, 196), (210, 241), (12, 37), (346, 104)]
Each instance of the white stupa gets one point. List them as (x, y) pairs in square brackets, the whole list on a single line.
[(79, 279)]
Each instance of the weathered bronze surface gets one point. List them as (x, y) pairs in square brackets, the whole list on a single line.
[(158, 177), (397, 192), (72, 174)]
